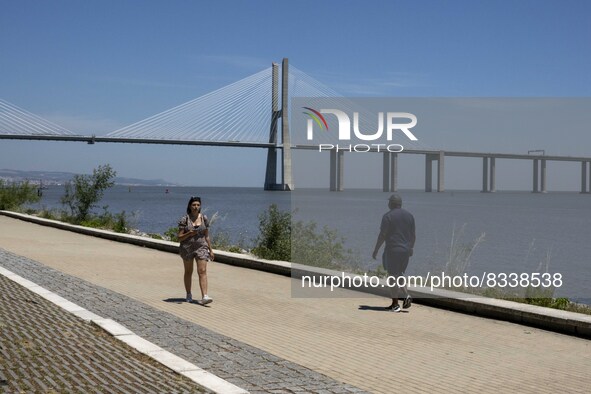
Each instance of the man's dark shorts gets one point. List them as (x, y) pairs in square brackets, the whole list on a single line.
[(395, 261)]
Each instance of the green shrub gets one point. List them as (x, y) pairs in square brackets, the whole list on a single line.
[(52, 214), (106, 220), (318, 248), (274, 239), (281, 238), (91, 222), (221, 240), (14, 195), (84, 191), (120, 223), (172, 234), (379, 271)]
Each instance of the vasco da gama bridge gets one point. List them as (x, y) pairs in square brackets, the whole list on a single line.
[(253, 113)]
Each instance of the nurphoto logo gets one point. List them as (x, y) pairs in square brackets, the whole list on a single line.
[(391, 119)]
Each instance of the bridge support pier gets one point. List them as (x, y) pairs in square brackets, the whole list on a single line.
[(489, 178), (429, 159), (287, 183), (535, 179), (440, 172), (394, 172), (271, 173), (341, 171), (585, 188), (337, 166), (484, 175), (386, 171), (390, 172), (428, 174), (539, 176), (333, 171), (493, 176), (543, 175)]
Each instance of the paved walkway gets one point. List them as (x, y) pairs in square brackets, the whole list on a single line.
[(44, 348), (347, 340)]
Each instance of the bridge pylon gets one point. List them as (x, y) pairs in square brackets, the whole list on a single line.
[(286, 183)]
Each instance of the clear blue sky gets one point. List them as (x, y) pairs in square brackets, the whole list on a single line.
[(96, 66)]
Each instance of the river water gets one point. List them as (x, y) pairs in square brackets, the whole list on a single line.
[(523, 232)]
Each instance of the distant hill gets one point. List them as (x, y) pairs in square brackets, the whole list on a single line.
[(59, 178)]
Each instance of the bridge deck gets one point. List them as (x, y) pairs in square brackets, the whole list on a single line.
[(94, 139)]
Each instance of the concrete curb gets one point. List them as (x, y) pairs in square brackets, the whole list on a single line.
[(546, 318), (201, 377)]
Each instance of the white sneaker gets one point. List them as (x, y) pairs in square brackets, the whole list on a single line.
[(189, 297), (407, 302), (206, 300)]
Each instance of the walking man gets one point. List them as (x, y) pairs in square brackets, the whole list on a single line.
[(398, 231)]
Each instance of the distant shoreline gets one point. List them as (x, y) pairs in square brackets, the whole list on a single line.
[(57, 178)]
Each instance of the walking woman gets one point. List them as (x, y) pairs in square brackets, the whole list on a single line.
[(195, 245)]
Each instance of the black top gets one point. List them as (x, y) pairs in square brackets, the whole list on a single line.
[(398, 229)]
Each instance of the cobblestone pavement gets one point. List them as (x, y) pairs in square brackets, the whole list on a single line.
[(44, 348), (243, 365)]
